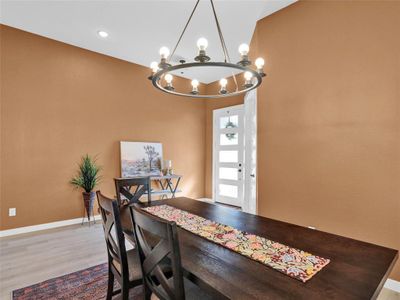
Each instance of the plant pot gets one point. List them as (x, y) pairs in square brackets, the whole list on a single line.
[(88, 200)]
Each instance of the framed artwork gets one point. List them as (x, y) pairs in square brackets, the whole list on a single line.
[(140, 159)]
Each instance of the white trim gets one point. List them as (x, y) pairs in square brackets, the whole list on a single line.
[(250, 152), (45, 226), (392, 285)]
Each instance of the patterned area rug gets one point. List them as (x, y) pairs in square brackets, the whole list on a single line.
[(293, 262), (88, 284)]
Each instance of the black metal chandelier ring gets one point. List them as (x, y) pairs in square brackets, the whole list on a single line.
[(157, 78)]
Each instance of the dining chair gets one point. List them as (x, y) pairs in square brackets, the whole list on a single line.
[(129, 190), (123, 265), (153, 257)]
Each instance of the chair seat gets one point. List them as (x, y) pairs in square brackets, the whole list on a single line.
[(135, 272)]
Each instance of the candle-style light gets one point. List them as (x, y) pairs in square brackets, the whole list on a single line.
[(223, 82), (202, 44), (244, 55), (164, 53), (195, 84), (154, 67), (168, 79), (260, 64), (248, 76)]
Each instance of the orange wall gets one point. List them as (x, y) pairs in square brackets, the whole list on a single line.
[(59, 102), (329, 118)]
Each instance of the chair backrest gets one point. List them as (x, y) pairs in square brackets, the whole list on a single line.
[(152, 257), (132, 189), (116, 249)]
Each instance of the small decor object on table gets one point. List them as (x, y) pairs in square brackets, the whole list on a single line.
[(87, 179), (168, 167)]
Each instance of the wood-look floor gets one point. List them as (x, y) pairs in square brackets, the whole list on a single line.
[(30, 258)]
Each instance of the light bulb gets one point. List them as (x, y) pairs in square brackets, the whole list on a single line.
[(259, 63), (244, 49), (202, 43), (223, 82), (168, 78), (164, 52), (248, 75), (195, 83), (102, 33), (154, 66)]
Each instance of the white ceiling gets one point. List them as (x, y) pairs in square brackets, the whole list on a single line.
[(137, 29)]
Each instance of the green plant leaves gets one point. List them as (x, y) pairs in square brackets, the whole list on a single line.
[(88, 175)]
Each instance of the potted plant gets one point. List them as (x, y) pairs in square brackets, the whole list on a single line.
[(87, 179)]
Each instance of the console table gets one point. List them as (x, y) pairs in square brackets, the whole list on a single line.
[(168, 183)]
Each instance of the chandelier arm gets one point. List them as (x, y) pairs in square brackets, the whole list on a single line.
[(184, 29), (234, 79)]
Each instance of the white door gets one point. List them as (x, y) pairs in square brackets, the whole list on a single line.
[(228, 155)]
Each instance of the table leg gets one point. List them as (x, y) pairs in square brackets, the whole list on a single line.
[(163, 188), (171, 187)]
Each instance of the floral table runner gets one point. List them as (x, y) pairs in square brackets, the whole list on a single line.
[(290, 261)]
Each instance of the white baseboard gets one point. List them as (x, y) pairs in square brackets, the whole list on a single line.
[(392, 285), (26, 229)]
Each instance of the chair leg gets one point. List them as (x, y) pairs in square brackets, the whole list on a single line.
[(147, 292), (125, 292), (110, 287)]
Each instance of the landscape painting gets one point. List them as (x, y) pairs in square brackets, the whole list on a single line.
[(140, 159)]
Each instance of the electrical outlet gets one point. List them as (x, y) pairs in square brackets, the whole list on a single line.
[(12, 212)]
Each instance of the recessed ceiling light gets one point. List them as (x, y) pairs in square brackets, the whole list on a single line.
[(102, 33)]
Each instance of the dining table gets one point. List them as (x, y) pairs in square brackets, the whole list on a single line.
[(357, 269)]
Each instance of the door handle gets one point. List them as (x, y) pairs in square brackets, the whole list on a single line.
[(252, 175)]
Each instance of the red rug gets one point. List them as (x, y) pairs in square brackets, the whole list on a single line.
[(88, 284)]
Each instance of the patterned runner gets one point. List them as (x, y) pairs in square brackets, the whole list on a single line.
[(290, 261)]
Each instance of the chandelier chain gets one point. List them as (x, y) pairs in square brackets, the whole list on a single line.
[(223, 44), (184, 29), (221, 37)]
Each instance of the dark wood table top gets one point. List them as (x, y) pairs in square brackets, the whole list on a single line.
[(357, 269)]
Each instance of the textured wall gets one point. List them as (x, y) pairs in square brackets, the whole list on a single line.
[(329, 118), (59, 102)]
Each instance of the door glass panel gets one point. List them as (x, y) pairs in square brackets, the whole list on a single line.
[(228, 156), (228, 173), (228, 139), (228, 190), (229, 122)]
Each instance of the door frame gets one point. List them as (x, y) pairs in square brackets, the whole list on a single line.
[(214, 151), (250, 203)]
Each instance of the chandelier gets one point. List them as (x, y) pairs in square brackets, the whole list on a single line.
[(162, 78)]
